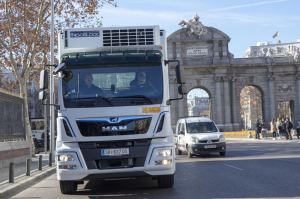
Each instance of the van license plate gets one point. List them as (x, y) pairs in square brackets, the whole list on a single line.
[(115, 152), (210, 146)]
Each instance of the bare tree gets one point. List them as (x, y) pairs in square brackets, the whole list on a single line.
[(24, 35)]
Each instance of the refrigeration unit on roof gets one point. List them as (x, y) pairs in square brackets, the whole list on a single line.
[(121, 37)]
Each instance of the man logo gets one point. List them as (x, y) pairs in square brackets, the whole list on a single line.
[(114, 128), (114, 119)]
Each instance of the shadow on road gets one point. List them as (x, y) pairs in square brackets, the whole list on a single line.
[(126, 188)]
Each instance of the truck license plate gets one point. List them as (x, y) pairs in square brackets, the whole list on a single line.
[(210, 146), (115, 152)]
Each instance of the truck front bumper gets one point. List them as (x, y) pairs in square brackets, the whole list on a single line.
[(75, 165)]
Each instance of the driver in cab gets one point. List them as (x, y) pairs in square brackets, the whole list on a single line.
[(87, 88)]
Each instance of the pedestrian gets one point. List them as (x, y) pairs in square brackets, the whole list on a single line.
[(298, 131), (258, 129), (273, 128), (279, 128), (284, 131), (289, 127)]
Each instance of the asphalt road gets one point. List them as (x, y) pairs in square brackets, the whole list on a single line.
[(249, 170)]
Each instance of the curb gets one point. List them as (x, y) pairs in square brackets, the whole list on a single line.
[(7, 190)]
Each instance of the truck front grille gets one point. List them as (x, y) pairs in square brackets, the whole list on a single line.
[(124, 126), (138, 150)]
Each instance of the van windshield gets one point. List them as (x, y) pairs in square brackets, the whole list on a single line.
[(201, 127)]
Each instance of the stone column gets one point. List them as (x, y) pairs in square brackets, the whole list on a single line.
[(219, 108), (235, 105), (298, 100), (272, 113), (227, 104)]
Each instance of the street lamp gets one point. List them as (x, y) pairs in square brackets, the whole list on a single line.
[(51, 94)]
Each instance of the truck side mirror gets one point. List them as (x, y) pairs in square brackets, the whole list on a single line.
[(43, 80), (43, 85), (42, 95), (178, 74), (182, 89)]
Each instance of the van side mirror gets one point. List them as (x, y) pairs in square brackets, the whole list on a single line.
[(43, 80), (181, 132)]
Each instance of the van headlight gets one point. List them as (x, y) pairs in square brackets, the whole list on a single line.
[(222, 138), (194, 140)]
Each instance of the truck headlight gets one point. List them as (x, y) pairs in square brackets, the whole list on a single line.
[(67, 161), (163, 152), (162, 156), (66, 157)]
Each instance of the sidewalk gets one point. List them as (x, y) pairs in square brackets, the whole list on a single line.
[(20, 169), (21, 181), (266, 139)]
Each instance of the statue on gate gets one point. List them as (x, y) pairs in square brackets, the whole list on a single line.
[(193, 26)]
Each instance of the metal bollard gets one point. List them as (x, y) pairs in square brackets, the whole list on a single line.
[(40, 162), (50, 159), (28, 167), (11, 178)]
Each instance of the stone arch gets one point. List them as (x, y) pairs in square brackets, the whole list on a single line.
[(251, 105), (199, 102)]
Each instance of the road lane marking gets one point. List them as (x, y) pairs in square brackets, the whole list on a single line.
[(183, 159), (228, 165)]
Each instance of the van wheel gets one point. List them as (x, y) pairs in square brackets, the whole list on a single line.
[(189, 152), (166, 181), (67, 187), (223, 153)]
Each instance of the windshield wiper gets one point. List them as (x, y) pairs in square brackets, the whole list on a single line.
[(96, 99), (136, 97)]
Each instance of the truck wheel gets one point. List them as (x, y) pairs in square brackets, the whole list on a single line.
[(67, 187), (166, 181), (223, 153)]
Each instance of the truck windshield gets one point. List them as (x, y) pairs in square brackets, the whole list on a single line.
[(105, 86), (201, 127)]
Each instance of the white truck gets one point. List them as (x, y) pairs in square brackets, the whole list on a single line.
[(113, 105)]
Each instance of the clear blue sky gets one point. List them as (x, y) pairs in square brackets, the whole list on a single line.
[(244, 21)]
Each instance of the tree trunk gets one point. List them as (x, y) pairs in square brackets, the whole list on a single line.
[(24, 95)]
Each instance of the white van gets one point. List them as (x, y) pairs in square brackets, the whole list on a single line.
[(195, 135)]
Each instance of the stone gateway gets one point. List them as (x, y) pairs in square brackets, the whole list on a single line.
[(208, 64)]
